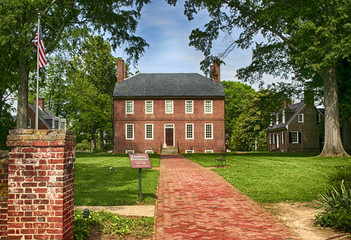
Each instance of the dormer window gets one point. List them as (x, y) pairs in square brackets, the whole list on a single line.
[(277, 119), (283, 116)]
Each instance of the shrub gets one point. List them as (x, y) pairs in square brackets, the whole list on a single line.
[(337, 205), (342, 174), (109, 223)]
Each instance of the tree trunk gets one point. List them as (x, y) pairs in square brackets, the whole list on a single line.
[(102, 144), (22, 107), (92, 141), (332, 140)]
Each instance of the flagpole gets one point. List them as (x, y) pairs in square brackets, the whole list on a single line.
[(37, 98)]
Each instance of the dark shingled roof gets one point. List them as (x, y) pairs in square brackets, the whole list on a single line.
[(291, 111), (168, 85)]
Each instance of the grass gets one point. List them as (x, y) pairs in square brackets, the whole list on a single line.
[(97, 185), (275, 177)]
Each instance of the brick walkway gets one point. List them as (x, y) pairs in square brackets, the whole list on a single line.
[(196, 203)]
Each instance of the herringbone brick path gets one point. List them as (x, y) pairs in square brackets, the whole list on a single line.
[(196, 203)]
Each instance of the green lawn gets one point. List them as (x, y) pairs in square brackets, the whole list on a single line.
[(97, 185), (275, 177)]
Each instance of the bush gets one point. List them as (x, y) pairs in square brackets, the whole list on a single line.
[(342, 174), (83, 146), (109, 223), (337, 203)]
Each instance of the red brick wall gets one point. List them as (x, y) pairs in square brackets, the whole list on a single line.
[(159, 118), (3, 193), (41, 184)]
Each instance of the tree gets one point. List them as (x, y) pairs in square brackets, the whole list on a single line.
[(301, 37), (236, 95), (249, 131), (19, 21), (93, 75)]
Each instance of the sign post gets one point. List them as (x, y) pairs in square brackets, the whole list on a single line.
[(140, 160)]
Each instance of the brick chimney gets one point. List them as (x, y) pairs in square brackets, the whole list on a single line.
[(121, 70), (308, 97), (215, 71), (40, 103)]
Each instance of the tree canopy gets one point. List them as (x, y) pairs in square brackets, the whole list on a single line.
[(306, 38), (117, 20)]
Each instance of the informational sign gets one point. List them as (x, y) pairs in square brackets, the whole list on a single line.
[(140, 160)]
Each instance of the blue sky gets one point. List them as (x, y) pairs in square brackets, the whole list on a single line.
[(167, 31)]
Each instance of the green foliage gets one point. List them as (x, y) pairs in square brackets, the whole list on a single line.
[(337, 204), (111, 224), (6, 123), (249, 129), (236, 95), (116, 20), (83, 146), (342, 175), (97, 185), (275, 177)]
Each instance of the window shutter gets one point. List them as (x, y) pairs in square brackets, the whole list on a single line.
[(290, 138), (300, 134)]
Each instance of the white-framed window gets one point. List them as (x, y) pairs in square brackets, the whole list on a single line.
[(130, 131), (149, 131), (189, 106), (149, 107), (29, 123), (208, 106), (189, 151), (277, 119), (283, 116), (208, 151), (149, 151), (283, 138), (295, 137), (273, 138), (129, 107), (189, 131), (300, 118), (130, 151), (169, 106), (208, 131)]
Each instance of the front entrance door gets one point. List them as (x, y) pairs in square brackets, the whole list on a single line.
[(169, 136)]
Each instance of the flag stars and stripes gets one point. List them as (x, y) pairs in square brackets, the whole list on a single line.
[(41, 49)]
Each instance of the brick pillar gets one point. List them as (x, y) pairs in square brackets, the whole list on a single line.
[(3, 193), (41, 184)]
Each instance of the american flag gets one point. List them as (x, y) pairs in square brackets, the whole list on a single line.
[(41, 52)]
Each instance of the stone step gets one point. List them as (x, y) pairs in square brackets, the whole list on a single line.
[(169, 150)]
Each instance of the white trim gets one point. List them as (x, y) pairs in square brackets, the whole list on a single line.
[(205, 106), (209, 151), (29, 123), (186, 106), (205, 132), (277, 140), (126, 104), (283, 137), (297, 137), (169, 125), (169, 101), (152, 131), (152, 106), (302, 118), (293, 117), (126, 128), (129, 151), (192, 130), (149, 151), (189, 151)]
